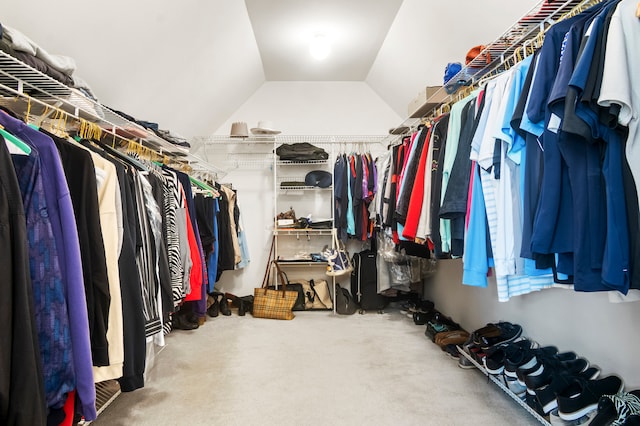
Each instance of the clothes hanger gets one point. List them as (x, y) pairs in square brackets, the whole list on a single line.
[(15, 145)]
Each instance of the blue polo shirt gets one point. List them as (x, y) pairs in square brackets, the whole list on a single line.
[(613, 226)]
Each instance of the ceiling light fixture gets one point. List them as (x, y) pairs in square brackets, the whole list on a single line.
[(319, 47)]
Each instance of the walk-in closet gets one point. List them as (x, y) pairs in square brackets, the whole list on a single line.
[(320, 212)]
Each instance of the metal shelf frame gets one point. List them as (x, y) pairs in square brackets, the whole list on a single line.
[(504, 388)]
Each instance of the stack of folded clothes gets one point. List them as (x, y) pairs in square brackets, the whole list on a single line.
[(23, 48)]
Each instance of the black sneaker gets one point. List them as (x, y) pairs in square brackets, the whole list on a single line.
[(452, 351), (537, 360), (552, 367), (508, 333), (533, 403), (559, 382), (496, 356), (489, 330), (633, 420), (421, 318), (524, 359), (582, 396)]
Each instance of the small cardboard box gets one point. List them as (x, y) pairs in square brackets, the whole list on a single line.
[(427, 99)]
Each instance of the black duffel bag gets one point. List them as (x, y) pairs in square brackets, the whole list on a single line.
[(301, 151), (298, 288)]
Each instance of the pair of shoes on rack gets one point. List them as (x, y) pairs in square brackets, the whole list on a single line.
[(496, 334), (220, 305), (583, 396), (422, 318), (410, 307), (244, 304), (491, 335), (439, 324)]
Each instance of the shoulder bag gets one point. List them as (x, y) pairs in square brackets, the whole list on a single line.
[(273, 304)]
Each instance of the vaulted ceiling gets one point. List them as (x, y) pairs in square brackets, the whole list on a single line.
[(190, 64)]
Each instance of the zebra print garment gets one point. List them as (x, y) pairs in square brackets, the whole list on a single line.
[(172, 237), (626, 405), (146, 259)]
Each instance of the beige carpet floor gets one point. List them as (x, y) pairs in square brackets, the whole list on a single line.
[(319, 369)]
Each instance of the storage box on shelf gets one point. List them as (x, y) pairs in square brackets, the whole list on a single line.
[(429, 98)]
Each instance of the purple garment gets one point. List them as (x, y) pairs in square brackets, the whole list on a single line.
[(65, 232), (50, 304), (365, 176)]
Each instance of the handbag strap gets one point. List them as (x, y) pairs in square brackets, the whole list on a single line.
[(282, 278), (316, 295), (266, 272), (341, 248)]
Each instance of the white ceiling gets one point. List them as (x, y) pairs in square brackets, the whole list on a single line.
[(355, 30), (189, 65)]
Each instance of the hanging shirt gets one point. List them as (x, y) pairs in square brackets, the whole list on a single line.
[(453, 137), (51, 311), (65, 231), (619, 88), (173, 226), (23, 401)]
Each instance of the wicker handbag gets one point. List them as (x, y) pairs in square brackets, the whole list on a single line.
[(273, 304)]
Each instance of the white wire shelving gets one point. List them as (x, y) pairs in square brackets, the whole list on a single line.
[(503, 53), (24, 85), (504, 388)]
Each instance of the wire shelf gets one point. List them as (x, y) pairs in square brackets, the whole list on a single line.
[(19, 80), (301, 163), (504, 388), (504, 52), (279, 139), (289, 188), (304, 232)]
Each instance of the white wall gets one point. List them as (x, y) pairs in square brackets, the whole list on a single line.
[(586, 323), (317, 108), (185, 65), (295, 108)]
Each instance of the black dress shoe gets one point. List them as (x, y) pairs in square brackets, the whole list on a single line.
[(214, 309), (248, 303), (179, 322), (224, 306), (242, 308)]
